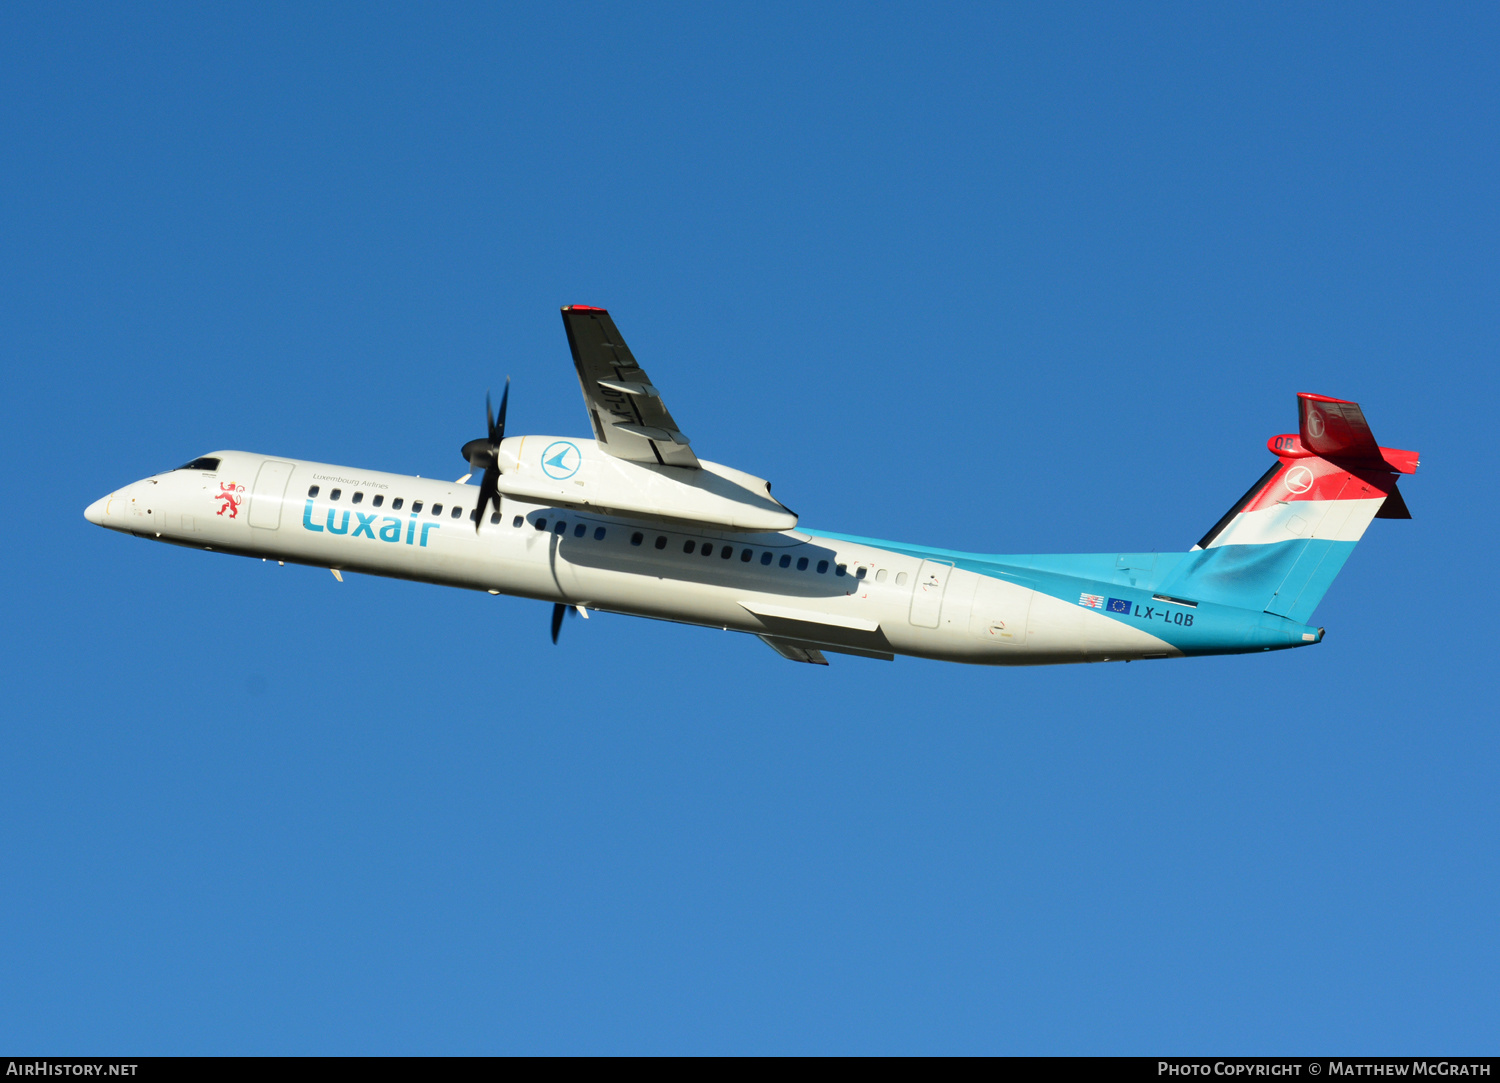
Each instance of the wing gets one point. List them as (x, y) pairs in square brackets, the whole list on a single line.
[(630, 421)]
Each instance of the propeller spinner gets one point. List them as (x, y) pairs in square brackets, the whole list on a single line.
[(484, 454)]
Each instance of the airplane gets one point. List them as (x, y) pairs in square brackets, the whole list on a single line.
[(633, 522)]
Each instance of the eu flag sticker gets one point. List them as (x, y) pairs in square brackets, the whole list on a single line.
[(1119, 605)]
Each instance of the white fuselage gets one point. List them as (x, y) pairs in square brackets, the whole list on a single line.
[(791, 586)]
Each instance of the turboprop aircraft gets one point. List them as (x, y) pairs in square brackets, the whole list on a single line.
[(634, 522)]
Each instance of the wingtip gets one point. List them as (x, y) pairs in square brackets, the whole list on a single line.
[(583, 308)]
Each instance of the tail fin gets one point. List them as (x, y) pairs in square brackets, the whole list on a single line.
[(1280, 547)]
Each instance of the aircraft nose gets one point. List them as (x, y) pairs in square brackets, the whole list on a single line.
[(94, 513)]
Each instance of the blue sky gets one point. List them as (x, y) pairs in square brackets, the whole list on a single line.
[(1001, 278)]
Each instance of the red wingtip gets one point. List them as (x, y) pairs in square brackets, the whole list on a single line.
[(582, 308)]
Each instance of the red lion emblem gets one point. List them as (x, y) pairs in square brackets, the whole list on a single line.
[(227, 493)]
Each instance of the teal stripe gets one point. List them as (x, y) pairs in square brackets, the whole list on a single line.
[(1232, 586)]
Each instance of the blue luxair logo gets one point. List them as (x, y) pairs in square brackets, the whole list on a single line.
[(389, 526), (561, 460)]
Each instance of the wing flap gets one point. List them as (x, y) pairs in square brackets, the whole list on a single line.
[(795, 652), (645, 390), (662, 435)]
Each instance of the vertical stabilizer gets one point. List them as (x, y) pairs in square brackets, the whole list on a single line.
[(1280, 546)]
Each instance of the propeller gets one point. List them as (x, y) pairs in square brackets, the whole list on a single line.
[(484, 454), (559, 611)]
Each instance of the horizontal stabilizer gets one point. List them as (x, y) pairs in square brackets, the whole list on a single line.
[(1336, 429)]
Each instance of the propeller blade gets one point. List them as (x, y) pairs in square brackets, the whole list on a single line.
[(497, 427), (557, 618), (489, 489), (484, 454)]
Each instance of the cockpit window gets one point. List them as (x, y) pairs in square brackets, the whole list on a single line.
[(207, 462)]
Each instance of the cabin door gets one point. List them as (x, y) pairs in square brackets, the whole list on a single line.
[(265, 498), (927, 592)]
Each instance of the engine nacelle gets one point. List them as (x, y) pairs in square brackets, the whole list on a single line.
[(569, 473)]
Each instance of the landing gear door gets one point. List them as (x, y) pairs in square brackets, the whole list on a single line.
[(927, 592), (266, 497)]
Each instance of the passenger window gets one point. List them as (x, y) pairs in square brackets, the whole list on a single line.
[(517, 521), (541, 524), (822, 566), (598, 533), (457, 513), (312, 490), (802, 564), (357, 497), (335, 494), (661, 542), (637, 538), (437, 509), (859, 573), (689, 545), (708, 550), (416, 506), (726, 552), (379, 500), (765, 558), (561, 527), (580, 530), (880, 576), (396, 504), (473, 516), (495, 518), (746, 555), (842, 569), (785, 561)]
